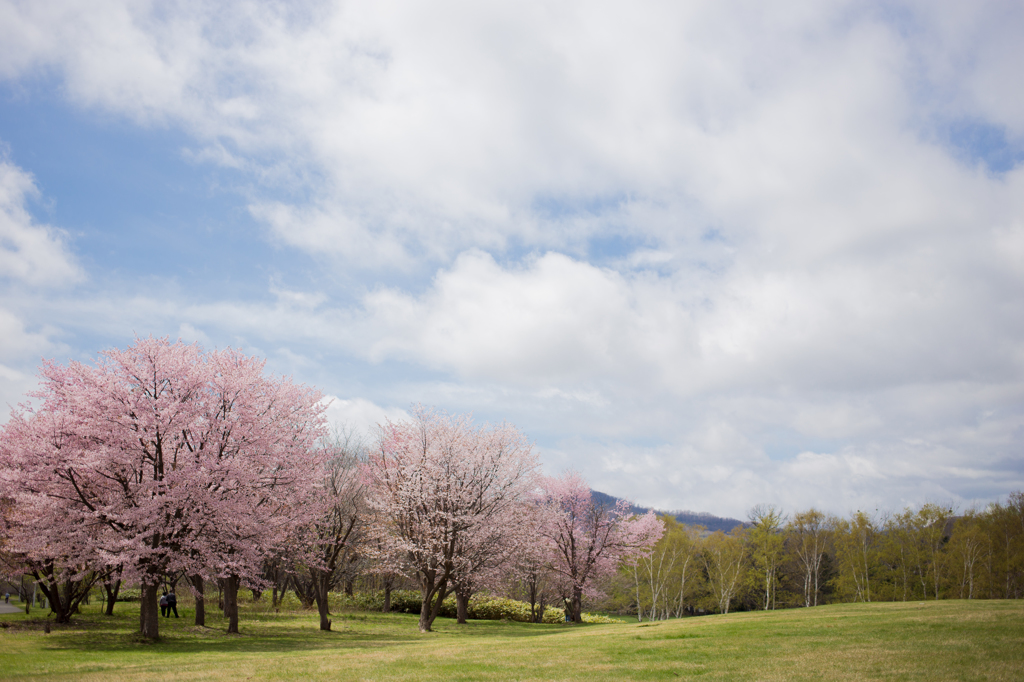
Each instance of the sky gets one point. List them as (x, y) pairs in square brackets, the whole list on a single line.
[(710, 254)]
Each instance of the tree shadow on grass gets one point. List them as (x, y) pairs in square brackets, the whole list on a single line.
[(352, 632)]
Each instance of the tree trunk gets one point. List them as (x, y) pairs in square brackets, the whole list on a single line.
[(576, 606), (461, 606), (149, 623), (53, 598), (426, 615), (321, 595), (197, 583), (431, 605), (305, 590), (64, 598), (111, 589), (231, 603), (350, 587), (387, 599)]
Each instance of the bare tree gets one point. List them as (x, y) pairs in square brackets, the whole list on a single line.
[(808, 534)]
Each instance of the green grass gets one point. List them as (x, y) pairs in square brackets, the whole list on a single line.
[(957, 640)]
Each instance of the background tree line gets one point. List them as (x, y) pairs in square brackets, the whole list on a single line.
[(813, 558)]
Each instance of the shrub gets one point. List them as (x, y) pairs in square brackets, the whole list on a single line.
[(598, 618), (481, 607), (402, 601), (128, 594)]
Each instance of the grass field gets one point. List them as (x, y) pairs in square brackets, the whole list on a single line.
[(955, 640)]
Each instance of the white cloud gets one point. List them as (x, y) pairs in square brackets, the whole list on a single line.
[(30, 253), (810, 266), (423, 131), (19, 350), (33, 257), (361, 415)]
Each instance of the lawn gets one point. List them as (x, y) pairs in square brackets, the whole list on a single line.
[(956, 640)]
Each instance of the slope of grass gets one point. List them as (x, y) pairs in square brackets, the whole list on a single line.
[(982, 640)]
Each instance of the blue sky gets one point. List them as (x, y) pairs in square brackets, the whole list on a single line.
[(709, 254)]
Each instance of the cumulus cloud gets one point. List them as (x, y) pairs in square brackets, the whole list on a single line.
[(30, 253), (360, 415), (18, 348), (701, 249), (428, 130), (33, 257)]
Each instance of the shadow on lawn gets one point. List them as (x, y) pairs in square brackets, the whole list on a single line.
[(101, 634)]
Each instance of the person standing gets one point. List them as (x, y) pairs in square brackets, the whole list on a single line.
[(163, 604), (172, 604)]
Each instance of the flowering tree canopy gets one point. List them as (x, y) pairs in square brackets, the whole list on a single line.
[(448, 497), (587, 540), (328, 543), (160, 459)]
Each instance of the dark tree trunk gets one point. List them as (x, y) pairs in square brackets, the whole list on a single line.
[(281, 595), (576, 605), (64, 597), (52, 594), (149, 623), (387, 598), (282, 587), (349, 587), (197, 583), (461, 606), (257, 594), (531, 590), (231, 603), (220, 596), (425, 615), (321, 596), (433, 598), (305, 589), (111, 588)]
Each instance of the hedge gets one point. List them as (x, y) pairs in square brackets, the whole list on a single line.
[(481, 607)]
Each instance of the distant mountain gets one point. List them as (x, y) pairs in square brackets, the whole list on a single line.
[(709, 521)]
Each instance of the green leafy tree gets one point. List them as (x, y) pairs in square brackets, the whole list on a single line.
[(856, 548), (766, 546), (725, 565), (967, 550), (663, 579), (1005, 527), (808, 535)]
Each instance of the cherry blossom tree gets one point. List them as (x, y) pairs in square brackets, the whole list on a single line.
[(487, 556), (725, 565), (331, 538), (588, 540), (61, 558), (161, 459), (446, 495), (257, 443), (533, 579)]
